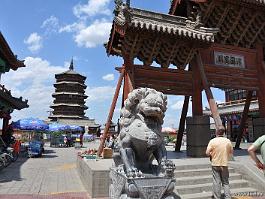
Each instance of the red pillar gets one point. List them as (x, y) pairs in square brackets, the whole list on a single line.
[(128, 85), (197, 109), (243, 119), (261, 77)]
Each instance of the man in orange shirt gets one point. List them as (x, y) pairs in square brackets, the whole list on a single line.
[(220, 150)]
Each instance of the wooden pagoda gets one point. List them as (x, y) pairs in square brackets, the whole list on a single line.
[(70, 98), (222, 41)]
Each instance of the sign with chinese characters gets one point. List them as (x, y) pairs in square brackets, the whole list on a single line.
[(230, 60)]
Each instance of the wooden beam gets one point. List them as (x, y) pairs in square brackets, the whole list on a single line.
[(242, 34), (134, 44), (210, 98), (209, 11), (222, 18), (243, 119), (231, 30), (173, 52), (182, 123), (154, 49), (162, 73), (111, 111), (256, 35)]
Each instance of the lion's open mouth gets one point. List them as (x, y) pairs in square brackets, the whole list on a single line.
[(152, 117)]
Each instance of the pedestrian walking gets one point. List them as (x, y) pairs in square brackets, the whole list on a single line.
[(220, 150), (259, 144)]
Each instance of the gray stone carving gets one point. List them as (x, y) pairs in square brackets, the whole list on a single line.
[(140, 142)]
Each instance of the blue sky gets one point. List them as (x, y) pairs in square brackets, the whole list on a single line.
[(46, 35)]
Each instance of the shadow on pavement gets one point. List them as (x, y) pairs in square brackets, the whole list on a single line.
[(48, 151), (12, 172), (241, 152), (48, 156)]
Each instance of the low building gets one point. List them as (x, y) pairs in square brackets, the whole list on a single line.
[(231, 112)]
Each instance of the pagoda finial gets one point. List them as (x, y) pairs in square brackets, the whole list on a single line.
[(128, 3), (71, 67)]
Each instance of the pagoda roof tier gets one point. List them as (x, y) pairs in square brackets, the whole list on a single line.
[(15, 103), (69, 105), (68, 116), (8, 55), (70, 82), (240, 22), (234, 108), (70, 72), (69, 93), (148, 36)]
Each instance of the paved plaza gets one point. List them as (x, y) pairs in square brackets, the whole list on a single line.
[(54, 174)]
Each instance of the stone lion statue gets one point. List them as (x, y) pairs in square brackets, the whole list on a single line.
[(140, 140)]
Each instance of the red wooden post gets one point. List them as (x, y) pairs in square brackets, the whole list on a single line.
[(182, 123), (261, 75), (210, 98), (113, 105), (243, 119), (197, 109), (128, 77)]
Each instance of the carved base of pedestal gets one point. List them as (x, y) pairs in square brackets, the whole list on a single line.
[(146, 187)]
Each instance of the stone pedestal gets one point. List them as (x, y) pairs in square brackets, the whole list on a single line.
[(198, 135), (95, 176), (145, 187), (258, 127)]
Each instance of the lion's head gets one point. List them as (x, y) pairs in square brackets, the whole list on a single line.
[(146, 102)]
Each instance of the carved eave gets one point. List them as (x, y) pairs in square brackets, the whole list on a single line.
[(69, 73), (69, 105), (8, 55), (15, 103), (69, 93), (72, 83), (241, 23), (67, 117), (148, 36)]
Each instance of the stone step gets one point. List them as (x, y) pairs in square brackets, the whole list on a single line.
[(203, 179), (207, 195), (196, 172), (193, 166), (206, 187)]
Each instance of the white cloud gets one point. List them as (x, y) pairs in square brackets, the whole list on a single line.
[(95, 34), (100, 93), (177, 105), (35, 83), (108, 77), (51, 25), (34, 42), (75, 27), (90, 30), (92, 8)]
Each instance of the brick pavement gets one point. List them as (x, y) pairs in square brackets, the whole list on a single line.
[(54, 173), (82, 195)]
